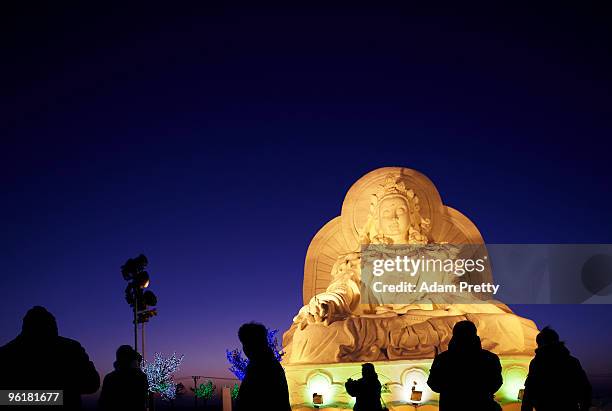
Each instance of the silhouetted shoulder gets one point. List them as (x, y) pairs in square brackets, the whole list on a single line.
[(489, 356), (89, 379), (70, 343), (9, 347), (9, 355), (111, 377), (443, 356), (279, 368), (574, 362)]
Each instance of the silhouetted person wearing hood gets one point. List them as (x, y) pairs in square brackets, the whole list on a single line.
[(556, 380), (39, 359), (264, 385), (466, 376), (126, 388), (366, 390)]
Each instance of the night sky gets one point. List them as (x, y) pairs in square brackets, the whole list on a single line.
[(217, 142)]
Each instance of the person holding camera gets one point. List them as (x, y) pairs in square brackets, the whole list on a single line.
[(366, 390)]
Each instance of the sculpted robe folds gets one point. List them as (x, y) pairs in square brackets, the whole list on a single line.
[(392, 205)]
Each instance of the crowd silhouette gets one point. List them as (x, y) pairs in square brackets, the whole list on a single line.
[(466, 376)]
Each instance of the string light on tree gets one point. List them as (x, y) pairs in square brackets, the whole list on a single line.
[(206, 391), (160, 373), (234, 391)]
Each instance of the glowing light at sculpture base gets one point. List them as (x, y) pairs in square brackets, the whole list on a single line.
[(320, 384), (514, 381), (398, 379)]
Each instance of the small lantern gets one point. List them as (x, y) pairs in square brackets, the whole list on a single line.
[(317, 399), (416, 396)]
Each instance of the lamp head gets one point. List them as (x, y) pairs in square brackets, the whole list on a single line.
[(141, 279)]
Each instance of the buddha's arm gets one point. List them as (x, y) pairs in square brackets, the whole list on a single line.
[(340, 298)]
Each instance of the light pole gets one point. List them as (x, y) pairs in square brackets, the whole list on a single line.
[(148, 300), (138, 279)]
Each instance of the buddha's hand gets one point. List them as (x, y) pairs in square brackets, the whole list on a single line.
[(322, 309)]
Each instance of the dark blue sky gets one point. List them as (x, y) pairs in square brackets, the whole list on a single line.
[(218, 142)]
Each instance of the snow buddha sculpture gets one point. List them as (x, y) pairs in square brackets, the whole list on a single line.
[(389, 206)]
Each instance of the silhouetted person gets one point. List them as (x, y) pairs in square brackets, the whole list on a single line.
[(556, 380), (125, 388), (366, 390), (264, 385), (466, 376), (39, 359)]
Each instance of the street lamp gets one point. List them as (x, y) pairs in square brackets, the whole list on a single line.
[(138, 279)]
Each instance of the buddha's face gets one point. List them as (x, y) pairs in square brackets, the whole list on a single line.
[(394, 218)]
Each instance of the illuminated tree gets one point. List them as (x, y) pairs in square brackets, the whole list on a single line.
[(205, 391), (238, 363), (274, 345), (160, 374), (234, 391)]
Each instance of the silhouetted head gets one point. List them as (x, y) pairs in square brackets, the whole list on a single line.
[(547, 336), (465, 336), (39, 323), (254, 339), (464, 329), (127, 357), (368, 370)]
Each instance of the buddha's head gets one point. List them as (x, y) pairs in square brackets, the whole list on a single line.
[(394, 216)]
